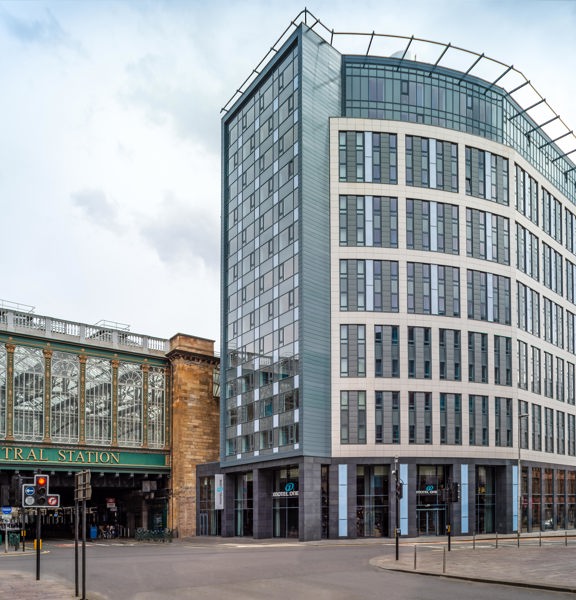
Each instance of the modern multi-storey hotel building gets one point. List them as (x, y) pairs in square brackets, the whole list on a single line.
[(399, 295)]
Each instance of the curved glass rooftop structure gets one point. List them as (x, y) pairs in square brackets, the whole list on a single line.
[(412, 79)]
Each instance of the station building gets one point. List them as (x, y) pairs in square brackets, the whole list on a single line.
[(139, 412), (398, 294)]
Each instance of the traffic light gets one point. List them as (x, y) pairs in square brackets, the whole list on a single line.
[(41, 483), (454, 492), (35, 495)]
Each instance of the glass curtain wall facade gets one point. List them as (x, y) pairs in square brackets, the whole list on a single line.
[(443, 239)]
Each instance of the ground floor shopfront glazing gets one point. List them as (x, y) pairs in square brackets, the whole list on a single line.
[(312, 499)]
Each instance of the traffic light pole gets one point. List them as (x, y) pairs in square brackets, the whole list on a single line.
[(38, 532), (83, 549)]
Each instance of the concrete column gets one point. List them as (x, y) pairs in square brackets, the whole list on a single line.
[(262, 503), (310, 500)]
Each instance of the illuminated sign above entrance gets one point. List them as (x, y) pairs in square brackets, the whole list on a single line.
[(289, 491)]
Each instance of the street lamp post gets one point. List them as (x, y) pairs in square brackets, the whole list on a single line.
[(397, 491), (519, 525)]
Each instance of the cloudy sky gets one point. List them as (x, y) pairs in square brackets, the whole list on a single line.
[(110, 134)]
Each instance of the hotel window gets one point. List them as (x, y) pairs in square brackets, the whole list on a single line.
[(451, 419), (431, 163), (368, 221), (570, 383), (477, 357), (486, 175), (433, 289), (353, 417), (488, 297), (369, 285), (536, 386), (570, 281), (528, 310), (549, 430), (503, 422), (450, 355), (553, 323), (536, 427), (352, 350), (419, 418), (432, 226), (548, 375), (560, 432), (570, 222), (386, 351), (551, 216), (368, 157), (526, 195), (419, 353), (527, 252), (523, 424), (552, 269), (387, 417), (571, 435), (487, 236), (559, 379), (478, 420), (522, 365), (502, 360)]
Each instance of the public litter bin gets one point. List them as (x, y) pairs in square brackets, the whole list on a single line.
[(93, 532)]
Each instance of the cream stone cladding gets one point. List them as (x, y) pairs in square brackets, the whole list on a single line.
[(195, 423), (401, 254)]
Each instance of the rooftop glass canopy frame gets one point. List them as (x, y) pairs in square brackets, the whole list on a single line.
[(560, 139)]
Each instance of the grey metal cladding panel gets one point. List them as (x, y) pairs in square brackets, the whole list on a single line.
[(320, 89)]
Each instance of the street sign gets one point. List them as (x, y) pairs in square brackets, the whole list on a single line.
[(6, 510), (53, 500), (29, 490), (83, 489)]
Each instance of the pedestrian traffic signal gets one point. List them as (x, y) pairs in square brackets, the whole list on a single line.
[(399, 490), (35, 495)]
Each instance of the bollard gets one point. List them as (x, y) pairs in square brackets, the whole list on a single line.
[(540, 539), (444, 560), (496, 539), (518, 542), (474, 541), (565, 538), (414, 557)]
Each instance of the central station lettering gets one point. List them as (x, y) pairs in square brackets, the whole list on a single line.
[(10, 453)]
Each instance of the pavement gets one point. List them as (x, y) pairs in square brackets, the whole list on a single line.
[(545, 563), (549, 566)]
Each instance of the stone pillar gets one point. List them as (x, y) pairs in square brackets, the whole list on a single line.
[(145, 371), (262, 503), (47, 393), (10, 392), (310, 500), (82, 399), (115, 364), (195, 422)]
